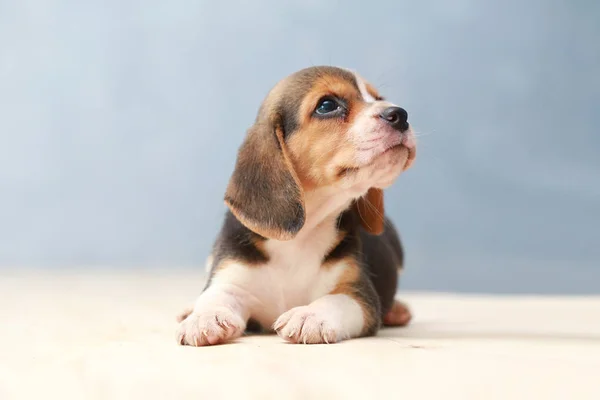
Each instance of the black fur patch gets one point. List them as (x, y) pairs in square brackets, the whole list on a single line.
[(349, 245), (382, 256), (238, 243)]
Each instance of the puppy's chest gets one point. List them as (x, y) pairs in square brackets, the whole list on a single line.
[(294, 276), (296, 266)]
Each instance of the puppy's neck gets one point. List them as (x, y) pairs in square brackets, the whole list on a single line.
[(323, 206), (314, 240)]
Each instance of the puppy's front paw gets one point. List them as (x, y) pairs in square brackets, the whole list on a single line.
[(309, 325), (211, 326)]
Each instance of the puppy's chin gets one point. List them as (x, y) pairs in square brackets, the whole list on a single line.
[(395, 155), (380, 173), (389, 165)]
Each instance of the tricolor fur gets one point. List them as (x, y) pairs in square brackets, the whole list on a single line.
[(305, 249)]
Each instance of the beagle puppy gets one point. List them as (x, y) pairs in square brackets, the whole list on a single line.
[(305, 249)]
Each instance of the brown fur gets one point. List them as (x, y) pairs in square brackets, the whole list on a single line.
[(264, 175), (354, 284), (370, 210), (320, 145)]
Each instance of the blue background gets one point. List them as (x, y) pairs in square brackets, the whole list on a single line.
[(120, 121)]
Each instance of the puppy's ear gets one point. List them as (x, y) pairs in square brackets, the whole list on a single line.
[(370, 211), (264, 192)]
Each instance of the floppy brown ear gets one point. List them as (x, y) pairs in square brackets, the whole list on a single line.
[(370, 211), (264, 192)]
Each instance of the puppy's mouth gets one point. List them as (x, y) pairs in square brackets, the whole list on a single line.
[(393, 148), (400, 148)]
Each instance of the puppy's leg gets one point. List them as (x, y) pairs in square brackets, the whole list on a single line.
[(350, 310), (219, 315), (384, 257), (187, 311), (398, 315)]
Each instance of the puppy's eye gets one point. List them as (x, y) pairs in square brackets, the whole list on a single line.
[(327, 106)]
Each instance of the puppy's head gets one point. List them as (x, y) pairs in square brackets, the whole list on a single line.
[(322, 126)]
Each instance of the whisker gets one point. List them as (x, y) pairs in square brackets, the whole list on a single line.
[(360, 215), (368, 203)]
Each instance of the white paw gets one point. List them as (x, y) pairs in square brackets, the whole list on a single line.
[(214, 325), (309, 325)]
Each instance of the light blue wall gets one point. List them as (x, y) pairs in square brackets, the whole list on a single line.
[(120, 120)]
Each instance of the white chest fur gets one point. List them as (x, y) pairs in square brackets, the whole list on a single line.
[(294, 275)]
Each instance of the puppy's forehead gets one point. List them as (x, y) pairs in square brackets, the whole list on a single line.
[(303, 81), (288, 93)]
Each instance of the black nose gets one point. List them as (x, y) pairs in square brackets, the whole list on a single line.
[(397, 117)]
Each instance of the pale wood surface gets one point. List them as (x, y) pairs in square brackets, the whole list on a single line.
[(111, 335)]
